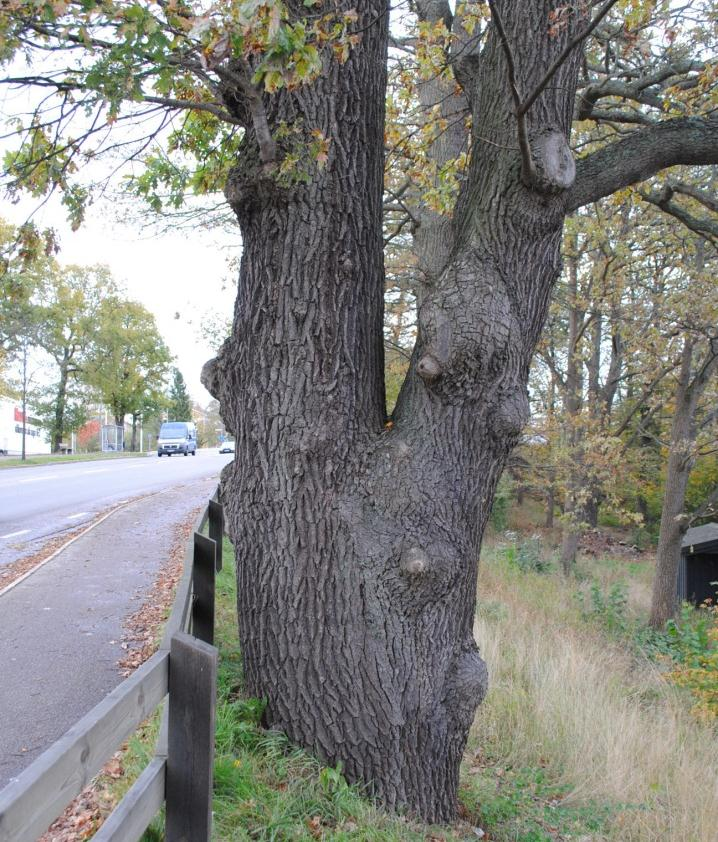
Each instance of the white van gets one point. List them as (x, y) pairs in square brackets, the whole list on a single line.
[(177, 437)]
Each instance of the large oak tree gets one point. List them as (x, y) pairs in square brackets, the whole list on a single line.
[(358, 540)]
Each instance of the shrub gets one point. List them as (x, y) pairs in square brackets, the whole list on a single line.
[(691, 644), (527, 556), (607, 608), (693, 641)]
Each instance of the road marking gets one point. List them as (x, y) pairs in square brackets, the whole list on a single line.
[(97, 471), (79, 514), (37, 479), (14, 534), (72, 541)]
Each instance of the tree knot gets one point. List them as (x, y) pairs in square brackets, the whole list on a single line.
[(428, 368), (555, 168), (414, 561), (466, 683)]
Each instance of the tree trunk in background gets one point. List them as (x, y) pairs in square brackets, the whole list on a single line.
[(358, 545), (574, 509), (681, 457), (550, 505), (133, 443), (60, 402)]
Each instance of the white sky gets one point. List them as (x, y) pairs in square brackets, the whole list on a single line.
[(185, 273)]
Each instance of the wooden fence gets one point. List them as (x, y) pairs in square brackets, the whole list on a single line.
[(180, 774)]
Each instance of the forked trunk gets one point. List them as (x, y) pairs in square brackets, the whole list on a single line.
[(358, 541)]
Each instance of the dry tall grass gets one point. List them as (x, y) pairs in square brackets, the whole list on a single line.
[(602, 721)]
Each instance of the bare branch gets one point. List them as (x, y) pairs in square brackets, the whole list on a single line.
[(635, 90), (706, 509), (662, 199), (708, 200)]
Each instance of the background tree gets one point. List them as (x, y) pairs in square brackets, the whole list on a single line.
[(24, 263), (129, 360), (67, 311), (209, 424), (697, 333), (358, 540), (179, 405)]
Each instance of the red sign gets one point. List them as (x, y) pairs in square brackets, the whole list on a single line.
[(18, 414)]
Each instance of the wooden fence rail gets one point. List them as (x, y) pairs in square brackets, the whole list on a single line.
[(180, 775)]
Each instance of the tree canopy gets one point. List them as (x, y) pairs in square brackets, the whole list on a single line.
[(175, 85)]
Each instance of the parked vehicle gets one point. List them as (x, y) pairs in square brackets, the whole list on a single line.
[(177, 437), (227, 446)]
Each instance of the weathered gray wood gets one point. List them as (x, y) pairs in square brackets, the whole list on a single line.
[(203, 575), (193, 679), (179, 618), (129, 820), (216, 529), (31, 803), (162, 740)]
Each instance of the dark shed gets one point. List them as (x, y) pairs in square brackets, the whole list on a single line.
[(699, 564)]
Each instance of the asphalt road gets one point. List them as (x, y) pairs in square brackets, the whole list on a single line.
[(61, 628), (37, 503)]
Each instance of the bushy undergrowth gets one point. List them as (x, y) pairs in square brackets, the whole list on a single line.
[(687, 648), (691, 643), (526, 554), (607, 606)]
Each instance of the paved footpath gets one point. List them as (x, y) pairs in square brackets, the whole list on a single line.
[(61, 628)]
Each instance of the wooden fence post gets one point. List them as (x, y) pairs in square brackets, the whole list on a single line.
[(190, 756), (203, 573), (216, 529)]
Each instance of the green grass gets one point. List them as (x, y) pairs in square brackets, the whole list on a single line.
[(524, 804), (53, 459)]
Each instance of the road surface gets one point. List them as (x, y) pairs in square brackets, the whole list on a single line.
[(61, 628), (37, 503)]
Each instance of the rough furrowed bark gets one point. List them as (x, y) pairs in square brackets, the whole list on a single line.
[(358, 544)]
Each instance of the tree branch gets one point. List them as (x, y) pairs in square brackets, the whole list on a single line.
[(527, 165), (708, 200), (565, 53), (706, 508), (635, 90), (705, 227), (685, 140)]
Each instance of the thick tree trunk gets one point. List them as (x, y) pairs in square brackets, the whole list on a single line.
[(357, 544)]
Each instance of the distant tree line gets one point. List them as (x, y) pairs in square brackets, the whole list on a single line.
[(93, 343)]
